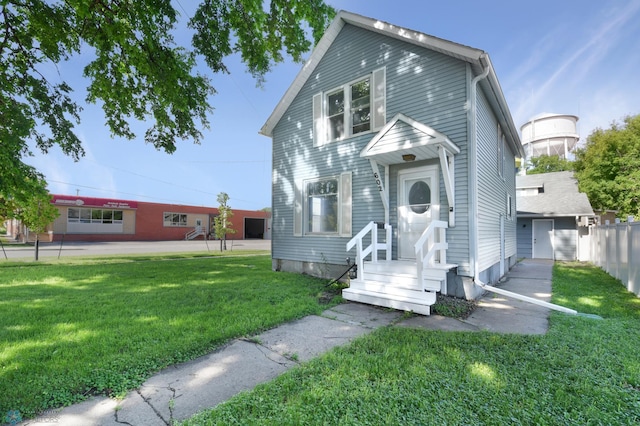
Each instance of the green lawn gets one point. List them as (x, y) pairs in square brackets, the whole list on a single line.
[(74, 328), (583, 371)]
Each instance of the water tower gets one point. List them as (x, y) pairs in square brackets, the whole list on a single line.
[(550, 134)]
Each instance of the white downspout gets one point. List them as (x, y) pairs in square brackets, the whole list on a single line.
[(474, 200), (526, 298), (473, 157)]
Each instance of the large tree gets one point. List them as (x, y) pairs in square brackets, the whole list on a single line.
[(608, 167), (135, 70), (548, 164)]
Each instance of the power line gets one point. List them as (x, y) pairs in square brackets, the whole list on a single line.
[(116, 192)]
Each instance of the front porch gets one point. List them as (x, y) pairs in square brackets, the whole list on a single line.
[(408, 285)]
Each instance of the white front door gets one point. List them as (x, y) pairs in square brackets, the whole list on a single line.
[(543, 238), (418, 205)]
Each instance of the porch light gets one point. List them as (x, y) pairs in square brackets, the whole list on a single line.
[(408, 157)]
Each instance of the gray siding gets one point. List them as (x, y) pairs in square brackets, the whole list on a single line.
[(493, 189), (565, 236), (424, 85), (525, 235)]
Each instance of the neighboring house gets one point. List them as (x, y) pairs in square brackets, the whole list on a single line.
[(390, 140), (553, 216)]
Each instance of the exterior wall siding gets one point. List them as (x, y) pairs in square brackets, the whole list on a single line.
[(565, 237), (493, 190), (524, 236), (424, 85)]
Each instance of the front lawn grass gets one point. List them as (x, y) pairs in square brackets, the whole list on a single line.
[(583, 371), (78, 327)]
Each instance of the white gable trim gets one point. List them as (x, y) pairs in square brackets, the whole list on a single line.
[(316, 56), (434, 145), (456, 50), (432, 140)]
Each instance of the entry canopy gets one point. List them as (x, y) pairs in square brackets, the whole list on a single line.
[(404, 139), (403, 136)]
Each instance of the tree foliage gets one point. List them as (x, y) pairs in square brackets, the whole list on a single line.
[(548, 164), (608, 167), (222, 223), (135, 71)]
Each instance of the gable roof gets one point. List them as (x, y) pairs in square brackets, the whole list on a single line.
[(561, 196), (478, 59), (392, 141)]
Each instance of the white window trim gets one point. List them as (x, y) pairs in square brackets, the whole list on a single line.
[(93, 220), (301, 209), (377, 108), (174, 224)]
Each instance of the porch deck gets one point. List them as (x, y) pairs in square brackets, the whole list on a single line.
[(395, 284), (408, 285)]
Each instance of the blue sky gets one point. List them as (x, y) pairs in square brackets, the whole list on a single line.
[(578, 57)]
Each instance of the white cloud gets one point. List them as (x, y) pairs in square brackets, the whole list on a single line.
[(578, 71)]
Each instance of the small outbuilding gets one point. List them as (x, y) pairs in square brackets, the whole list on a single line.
[(553, 216)]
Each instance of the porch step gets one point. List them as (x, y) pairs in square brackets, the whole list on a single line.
[(404, 303), (404, 274)]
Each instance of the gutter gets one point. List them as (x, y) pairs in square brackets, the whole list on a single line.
[(473, 243)]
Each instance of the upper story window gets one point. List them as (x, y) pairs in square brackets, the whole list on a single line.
[(349, 104), (354, 108)]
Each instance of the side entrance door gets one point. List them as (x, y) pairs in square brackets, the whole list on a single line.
[(418, 205), (542, 238)]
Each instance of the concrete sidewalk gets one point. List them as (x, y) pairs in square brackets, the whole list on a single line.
[(180, 391)]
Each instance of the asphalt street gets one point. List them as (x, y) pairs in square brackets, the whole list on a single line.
[(68, 249)]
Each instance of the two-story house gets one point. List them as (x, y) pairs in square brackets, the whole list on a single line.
[(396, 149)]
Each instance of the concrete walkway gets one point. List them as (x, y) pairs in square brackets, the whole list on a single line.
[(500, 314), (180, 391)]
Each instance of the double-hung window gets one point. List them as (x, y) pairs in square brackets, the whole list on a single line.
[(323, 206), (350, 109)]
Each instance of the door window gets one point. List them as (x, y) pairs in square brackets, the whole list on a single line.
[(419, 197)]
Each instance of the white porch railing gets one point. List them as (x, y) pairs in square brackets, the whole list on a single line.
[(196, 232), (373, 247), (431, 247)]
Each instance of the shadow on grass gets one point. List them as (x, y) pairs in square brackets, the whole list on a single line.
[(588, 289), (69, 331)]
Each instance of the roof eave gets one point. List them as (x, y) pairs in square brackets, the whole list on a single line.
[(536, 215), (450, 48)]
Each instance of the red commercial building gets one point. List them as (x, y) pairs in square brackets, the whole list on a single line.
[(104, 219)]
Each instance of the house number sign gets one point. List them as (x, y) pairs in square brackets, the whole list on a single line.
[(376, 176)]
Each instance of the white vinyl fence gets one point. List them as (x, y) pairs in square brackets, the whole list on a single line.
[(616, 249)]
